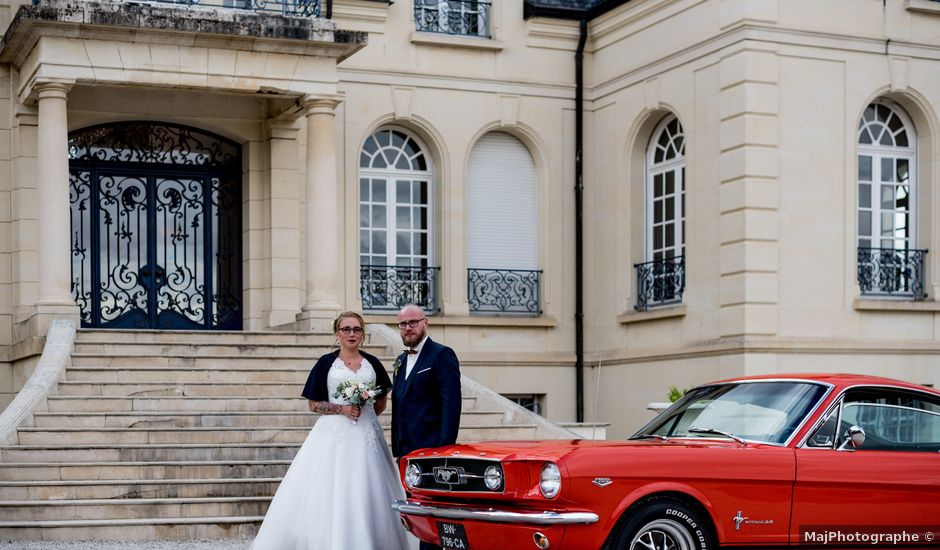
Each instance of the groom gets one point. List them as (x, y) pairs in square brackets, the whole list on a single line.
[(426, 397)]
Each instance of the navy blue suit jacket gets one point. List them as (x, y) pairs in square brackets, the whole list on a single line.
[(426, 405)]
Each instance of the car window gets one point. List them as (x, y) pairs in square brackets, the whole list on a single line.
[(764, 411), (890, 427), (825, 435), (893, 420)]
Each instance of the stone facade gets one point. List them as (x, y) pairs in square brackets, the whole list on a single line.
[(769, 94)]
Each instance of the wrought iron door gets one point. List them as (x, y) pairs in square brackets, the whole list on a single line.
[(156, 229)]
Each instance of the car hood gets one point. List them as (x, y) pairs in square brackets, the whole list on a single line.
[(558, 449)]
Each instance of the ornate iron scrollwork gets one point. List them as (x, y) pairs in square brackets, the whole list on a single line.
[(156, 227), (295, 8), (503, 291), (892, 272), (464, 17), (389, 287), (660, 282)]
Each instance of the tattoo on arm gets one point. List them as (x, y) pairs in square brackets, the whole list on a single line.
[(325, 407)]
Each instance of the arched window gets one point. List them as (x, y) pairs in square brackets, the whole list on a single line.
[(502, 227), (395, 233), (661, 279), (888, 261)]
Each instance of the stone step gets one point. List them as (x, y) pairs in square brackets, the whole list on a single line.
[(72, 471), (208, 404), (211, 348), (143, 529), (184, 419), (87, 336), (244, 375), (255, 434), (148, 453), (118, 362), (137, 488), (125, 508), (169, 389)]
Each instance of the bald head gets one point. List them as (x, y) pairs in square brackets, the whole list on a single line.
[(412, 325)]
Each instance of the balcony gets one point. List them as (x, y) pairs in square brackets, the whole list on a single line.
[(460, 17), (389, 287), (888, 272), (297, 8), (504, 291), (660, 282)]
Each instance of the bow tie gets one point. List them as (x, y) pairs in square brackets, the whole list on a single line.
[(411, 351)]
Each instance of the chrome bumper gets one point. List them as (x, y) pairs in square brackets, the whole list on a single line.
[(496, 516)]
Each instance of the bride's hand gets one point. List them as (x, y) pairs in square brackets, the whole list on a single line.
[(353, 413)]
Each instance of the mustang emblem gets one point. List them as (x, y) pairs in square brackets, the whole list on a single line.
[(741, 518), (602, 481), (450, 476)]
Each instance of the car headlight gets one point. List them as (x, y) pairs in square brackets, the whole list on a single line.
[(550, 480), (493, 478), (412, 475)]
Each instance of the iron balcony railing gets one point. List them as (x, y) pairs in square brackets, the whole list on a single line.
[(389, 287), (660, 282), (892, 272), (510, 291), (464, 17), (298, 8)]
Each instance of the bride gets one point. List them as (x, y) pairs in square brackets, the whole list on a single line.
[(338, 491)]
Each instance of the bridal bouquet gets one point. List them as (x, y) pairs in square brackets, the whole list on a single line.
[(357, 393)]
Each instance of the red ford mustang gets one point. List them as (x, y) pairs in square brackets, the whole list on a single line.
[(799, 460)]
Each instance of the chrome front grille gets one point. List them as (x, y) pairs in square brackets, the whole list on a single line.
[(455, 474)]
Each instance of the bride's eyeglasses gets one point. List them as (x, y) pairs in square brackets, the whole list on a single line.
[(351, 330)]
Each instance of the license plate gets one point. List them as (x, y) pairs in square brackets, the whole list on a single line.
[(452, 536)]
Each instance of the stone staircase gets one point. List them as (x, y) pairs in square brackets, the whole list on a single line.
[(180, 435)]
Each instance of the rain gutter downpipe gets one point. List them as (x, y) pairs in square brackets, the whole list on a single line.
[(582, 12), (579, 220)]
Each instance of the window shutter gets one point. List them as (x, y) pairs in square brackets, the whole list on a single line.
[(501, 205)]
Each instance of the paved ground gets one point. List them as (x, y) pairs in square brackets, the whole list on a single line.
[(121, 545)]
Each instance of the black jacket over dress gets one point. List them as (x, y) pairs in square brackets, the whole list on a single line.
[(316, 390), (426, 405)]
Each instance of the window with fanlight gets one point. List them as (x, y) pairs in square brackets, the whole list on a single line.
[(889, 262), (661, 277), (395, 222)]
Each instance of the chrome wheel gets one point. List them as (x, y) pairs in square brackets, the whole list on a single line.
[(662, 534), (664, 523)]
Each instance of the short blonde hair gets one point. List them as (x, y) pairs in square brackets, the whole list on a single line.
[(345, 315)]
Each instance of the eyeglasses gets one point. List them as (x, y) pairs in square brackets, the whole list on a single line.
[(410, 324), (351, 330)]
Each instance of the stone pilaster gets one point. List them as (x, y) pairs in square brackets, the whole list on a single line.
[(283, 204), (749, 189)]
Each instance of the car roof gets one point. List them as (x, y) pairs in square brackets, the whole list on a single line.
[(839, 380)]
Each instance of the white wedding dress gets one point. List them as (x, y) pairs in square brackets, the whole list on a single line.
[(338, 491)]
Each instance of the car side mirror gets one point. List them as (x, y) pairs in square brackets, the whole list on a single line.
[(854, 438)]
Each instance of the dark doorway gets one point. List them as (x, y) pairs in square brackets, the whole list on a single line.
[(155, 227)]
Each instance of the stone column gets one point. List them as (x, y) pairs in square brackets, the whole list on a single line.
[(321, 303), (53, 210), (52, 158)]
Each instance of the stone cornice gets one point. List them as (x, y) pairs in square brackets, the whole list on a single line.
[(766, 345)]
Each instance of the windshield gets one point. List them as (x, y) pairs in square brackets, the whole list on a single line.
[(768, 412)]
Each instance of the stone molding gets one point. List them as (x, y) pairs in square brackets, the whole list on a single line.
[(56, 356)]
